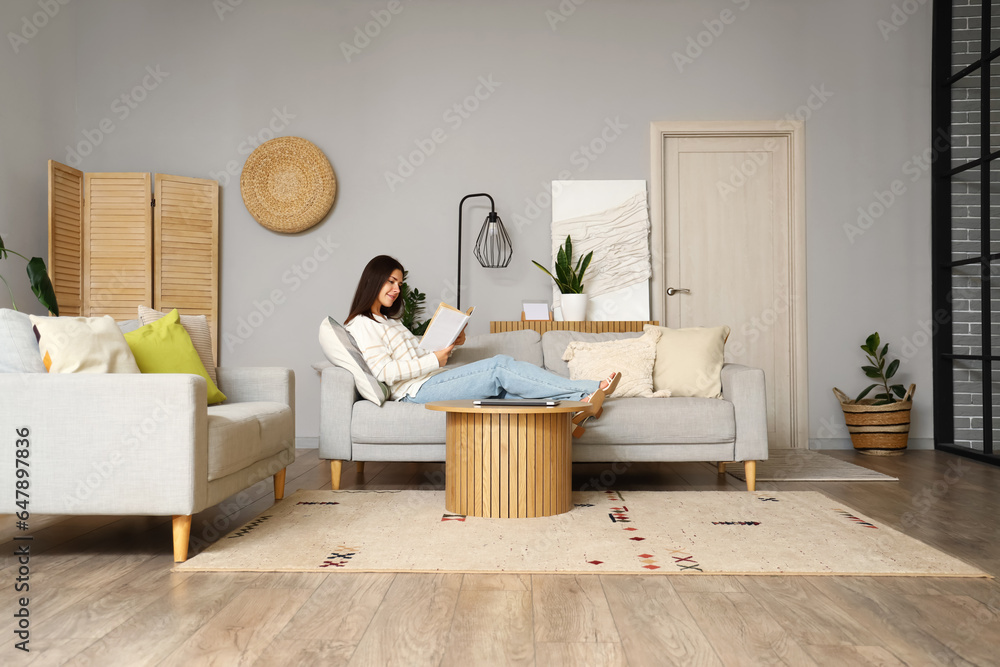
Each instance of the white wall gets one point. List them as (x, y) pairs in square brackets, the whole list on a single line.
[(37, 115), (557, 85)]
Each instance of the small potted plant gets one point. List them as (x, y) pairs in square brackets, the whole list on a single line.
[(569, 280), (880, 425), (37, 276)]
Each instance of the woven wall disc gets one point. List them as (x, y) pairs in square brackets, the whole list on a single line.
[(288, 184)]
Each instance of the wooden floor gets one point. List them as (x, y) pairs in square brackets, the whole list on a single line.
[(102, 592)]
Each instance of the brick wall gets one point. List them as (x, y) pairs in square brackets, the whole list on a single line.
[(966, 236)]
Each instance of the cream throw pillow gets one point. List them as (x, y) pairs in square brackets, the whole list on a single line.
[(689, 361), (82, 345), (197, 327), (632, 357)]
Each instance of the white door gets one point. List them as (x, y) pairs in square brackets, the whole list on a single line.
[(728, 228)]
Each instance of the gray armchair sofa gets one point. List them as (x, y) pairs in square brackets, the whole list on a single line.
[(733, 428), (142, 444)]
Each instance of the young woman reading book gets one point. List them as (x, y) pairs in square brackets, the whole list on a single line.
[(415, 375)]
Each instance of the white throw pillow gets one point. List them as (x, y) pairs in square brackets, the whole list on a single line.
[(632, 357), (197, 328), (689, 361), (342, 350), (82, 345)]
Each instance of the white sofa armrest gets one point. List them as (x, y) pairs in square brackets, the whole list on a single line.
[(106, 444), (744, 387), (337, 394), (243, 385)]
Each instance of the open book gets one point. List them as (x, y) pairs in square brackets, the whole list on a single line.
[(444, 328)]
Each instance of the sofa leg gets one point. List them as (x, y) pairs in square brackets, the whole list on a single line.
[(182, 533), (722, 467), (279, 484), (750, 468), (335, 474), (361, 467)]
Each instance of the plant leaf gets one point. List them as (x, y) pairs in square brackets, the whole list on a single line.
[(41, 285), (586, 263), (569, 249), (899, 389), (893, 367), (873, 343), (872, 372), (3, 249), (884, 397), (884, 350), (546, 271), (865, 392)]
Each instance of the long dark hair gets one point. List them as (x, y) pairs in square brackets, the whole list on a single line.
[(373, 279)]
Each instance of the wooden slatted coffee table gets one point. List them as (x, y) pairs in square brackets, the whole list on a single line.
[(507, 462)]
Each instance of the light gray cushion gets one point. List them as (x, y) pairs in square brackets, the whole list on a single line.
[(554, 345), (655, 421), (522, 345), (131, 325), (18, 345), (342, 350), (396, 422), (240, 434)]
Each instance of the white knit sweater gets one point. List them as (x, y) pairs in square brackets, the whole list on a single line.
[(393, 354)]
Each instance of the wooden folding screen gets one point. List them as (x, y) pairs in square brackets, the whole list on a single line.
[(66, 237), (117, 248), (114, 245), (186, 248)]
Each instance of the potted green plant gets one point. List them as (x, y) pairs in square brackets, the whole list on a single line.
[(879, 425), (413, 307), (569, 280), (38, 277)]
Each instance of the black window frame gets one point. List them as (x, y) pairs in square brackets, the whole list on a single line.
[(943, 262)]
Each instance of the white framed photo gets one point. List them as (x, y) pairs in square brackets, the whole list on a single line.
[(535, 310)]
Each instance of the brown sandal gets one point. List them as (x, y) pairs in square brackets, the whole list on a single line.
[(597, 404)]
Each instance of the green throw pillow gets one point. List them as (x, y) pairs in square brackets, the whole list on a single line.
[(165, 347)]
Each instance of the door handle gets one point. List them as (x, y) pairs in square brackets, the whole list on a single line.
[(671, 291)]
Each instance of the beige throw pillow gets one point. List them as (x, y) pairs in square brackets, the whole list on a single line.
[(197, 327), (689, 361), (632, 357), (82, 345)]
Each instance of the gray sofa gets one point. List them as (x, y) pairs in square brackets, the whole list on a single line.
[(733, 428), (137, 444)]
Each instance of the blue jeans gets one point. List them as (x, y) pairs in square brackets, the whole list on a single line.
[(501, 377)]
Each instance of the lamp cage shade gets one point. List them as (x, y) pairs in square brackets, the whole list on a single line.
[(493, 248)]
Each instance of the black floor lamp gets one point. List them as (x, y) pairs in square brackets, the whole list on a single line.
[(493, 248)]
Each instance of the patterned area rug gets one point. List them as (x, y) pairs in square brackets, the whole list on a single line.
[(803, 465), (637, 532)]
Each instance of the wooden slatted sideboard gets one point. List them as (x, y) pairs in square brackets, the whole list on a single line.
[(541, 326)]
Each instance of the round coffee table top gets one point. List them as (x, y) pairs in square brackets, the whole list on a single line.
[(468, 406)]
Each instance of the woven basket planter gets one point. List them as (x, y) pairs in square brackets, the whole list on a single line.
[(878, 430)]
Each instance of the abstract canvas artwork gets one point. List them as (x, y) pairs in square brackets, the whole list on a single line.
[(610, 218)]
